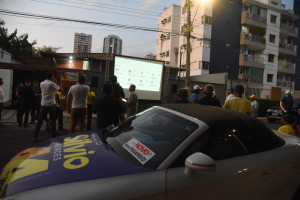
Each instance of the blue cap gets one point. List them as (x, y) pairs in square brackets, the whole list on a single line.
[(231, 88), (239, 88)]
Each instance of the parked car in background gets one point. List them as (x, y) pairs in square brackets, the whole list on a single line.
[(275, 113), (167, 152)]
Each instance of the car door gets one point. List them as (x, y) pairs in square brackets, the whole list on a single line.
[(239, 174)]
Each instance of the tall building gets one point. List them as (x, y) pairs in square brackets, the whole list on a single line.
[(168, 35), (112, 44), (251, 40), (82, 43)]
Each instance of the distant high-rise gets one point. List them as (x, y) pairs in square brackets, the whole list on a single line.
[(112, 44), (82, 43)]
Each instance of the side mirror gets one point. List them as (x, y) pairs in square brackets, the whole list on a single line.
[(199, 161)]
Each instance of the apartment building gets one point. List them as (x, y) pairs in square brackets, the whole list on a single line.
[(167, 46), (251, 40), (112, 44), (82, 43)]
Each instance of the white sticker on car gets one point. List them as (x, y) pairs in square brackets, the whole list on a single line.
[(138, 150)]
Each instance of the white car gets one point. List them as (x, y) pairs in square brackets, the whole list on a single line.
[(176, 151)]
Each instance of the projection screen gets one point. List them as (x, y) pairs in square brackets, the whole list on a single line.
[(145, 74)]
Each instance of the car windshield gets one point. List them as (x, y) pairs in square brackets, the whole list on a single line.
[(149, 137)]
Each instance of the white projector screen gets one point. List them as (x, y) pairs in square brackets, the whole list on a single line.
[(146, 75)]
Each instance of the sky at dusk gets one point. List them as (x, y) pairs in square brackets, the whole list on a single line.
[(142, 13)]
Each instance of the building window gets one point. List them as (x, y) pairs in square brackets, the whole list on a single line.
[(272, 38), (183, 10), (205, 65), (274, 3), (168, 36), (271, 58), (205, 42), (167, 53), (270, 78), (273, 19), (169, 19), (206, 19)]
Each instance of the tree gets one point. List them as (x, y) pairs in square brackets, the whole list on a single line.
[(45, 49), (14, 44)]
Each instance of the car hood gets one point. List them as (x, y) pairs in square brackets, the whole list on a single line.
[(83, 156)]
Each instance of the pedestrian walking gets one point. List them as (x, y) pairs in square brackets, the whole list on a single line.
[(2, 97), (77, 103), (132, 102), (254, 106), (109, 110), (194, 97), (287, 103), (48, 89), (238, 103), (36, 104), (182, 96), (90, 103), (26, 98), (17, 102), (209, 98)]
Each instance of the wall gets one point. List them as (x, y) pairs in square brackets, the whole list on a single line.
[(225, 30), (6, 75)]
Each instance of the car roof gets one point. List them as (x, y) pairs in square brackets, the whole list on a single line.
[(211, 115)]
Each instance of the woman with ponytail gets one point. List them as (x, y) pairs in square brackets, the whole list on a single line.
[(289, 125)]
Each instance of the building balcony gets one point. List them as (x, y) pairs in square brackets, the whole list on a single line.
[(288, 30), (250, 79), (287, 49), (252, 19), (251, 61), (255, 41), (285, 66), (283, 83)]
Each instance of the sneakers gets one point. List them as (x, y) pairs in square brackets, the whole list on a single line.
[(26, 126), (32, 122)]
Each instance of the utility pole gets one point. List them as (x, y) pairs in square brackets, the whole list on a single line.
[(188, 45)]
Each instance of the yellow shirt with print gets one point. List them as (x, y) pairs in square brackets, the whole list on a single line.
[(287, 129), (91, 97), (59, 96), (238, 104)]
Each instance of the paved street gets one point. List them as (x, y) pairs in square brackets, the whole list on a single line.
[(14, 139)]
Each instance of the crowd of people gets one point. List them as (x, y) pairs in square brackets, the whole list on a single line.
[(237, 103), (43, 102)]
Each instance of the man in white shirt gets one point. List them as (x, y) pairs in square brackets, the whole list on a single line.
[(77, 103), (48, 88), (230, 93), (254, 106), (2, 97)]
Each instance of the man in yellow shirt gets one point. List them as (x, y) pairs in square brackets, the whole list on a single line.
[(289, 125), (238, 103), (90, 102)]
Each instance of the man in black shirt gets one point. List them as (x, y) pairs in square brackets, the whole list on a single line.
[(209, 98), (26, 98), (117, 89), (109, 110)]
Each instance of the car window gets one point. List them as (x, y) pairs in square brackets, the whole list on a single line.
[(231, 140), (147, 139)]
